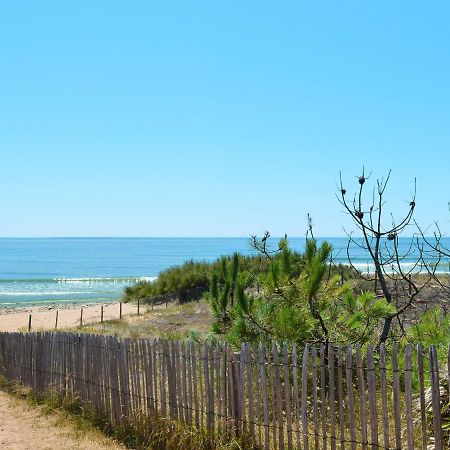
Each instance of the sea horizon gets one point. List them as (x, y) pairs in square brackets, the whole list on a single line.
[(52, 270)]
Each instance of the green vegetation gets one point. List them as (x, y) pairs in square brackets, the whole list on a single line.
[(174, 280), (180, 281), (433, 328), (301, 300)]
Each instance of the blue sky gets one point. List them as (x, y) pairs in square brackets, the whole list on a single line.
[(217, 118)]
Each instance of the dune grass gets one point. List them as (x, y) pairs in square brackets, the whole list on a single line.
[(187, 321)]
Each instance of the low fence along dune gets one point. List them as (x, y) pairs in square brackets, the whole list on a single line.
[(318, 397)]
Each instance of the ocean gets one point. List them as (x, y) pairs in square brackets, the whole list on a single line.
[(39, 271)]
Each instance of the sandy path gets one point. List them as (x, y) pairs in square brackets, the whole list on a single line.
[(23, 426), (44, 319)]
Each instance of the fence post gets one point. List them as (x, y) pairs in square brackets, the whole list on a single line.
[(120, 310), (29, 323), (81, 317), (436, 398), (234, 390), (409, 397), (139, 304), (56, 320), (101, 314)]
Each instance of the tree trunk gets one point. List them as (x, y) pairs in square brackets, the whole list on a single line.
[(388, 296), (386, 328)]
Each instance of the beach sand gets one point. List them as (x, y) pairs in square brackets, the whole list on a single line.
[(27, 427), (44, 318)]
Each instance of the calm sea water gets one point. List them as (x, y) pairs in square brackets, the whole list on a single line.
[(40, 271)]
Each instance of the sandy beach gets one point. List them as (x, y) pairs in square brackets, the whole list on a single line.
[(44, 317), (25, 427)]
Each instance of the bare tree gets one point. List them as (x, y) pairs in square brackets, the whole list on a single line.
[(435, 249), (380, 241)]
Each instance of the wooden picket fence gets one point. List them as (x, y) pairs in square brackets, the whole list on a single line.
[(317, 398)]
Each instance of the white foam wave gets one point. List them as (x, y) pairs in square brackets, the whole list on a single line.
[(36, 293), (405, 266), (104, 280)]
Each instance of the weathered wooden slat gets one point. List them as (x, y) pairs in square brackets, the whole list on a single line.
[(218, 390), (133, 378), (224, 411), (384, 401), (323, 404), (105, 401), (172, 381), (207, 386), (371, 382), (265, 402), (148, 370), (190, 404), (331, 385), (162, 377), (105, 378), (140, 378), (396, 398), (98, 370), (111, 382), (155, 365), (340, 364), (242, 402), (362, 397), (231, 395), (408, 397), (423, 416), (195, 384), (251, 410), (234, 391), (287, 396), (257, 395), (305, 425), (179, 392), (351, 401), (118, 380), (448, 368), (278, 395), (315, 398), (183, 357), (132, 383), (275, 429), (125, 379), (201, 362), (436, 399), (296, 398), (114, 380), (212, 396), (86, 367)]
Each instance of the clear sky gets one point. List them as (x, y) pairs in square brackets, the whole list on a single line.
[(212, 118)]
